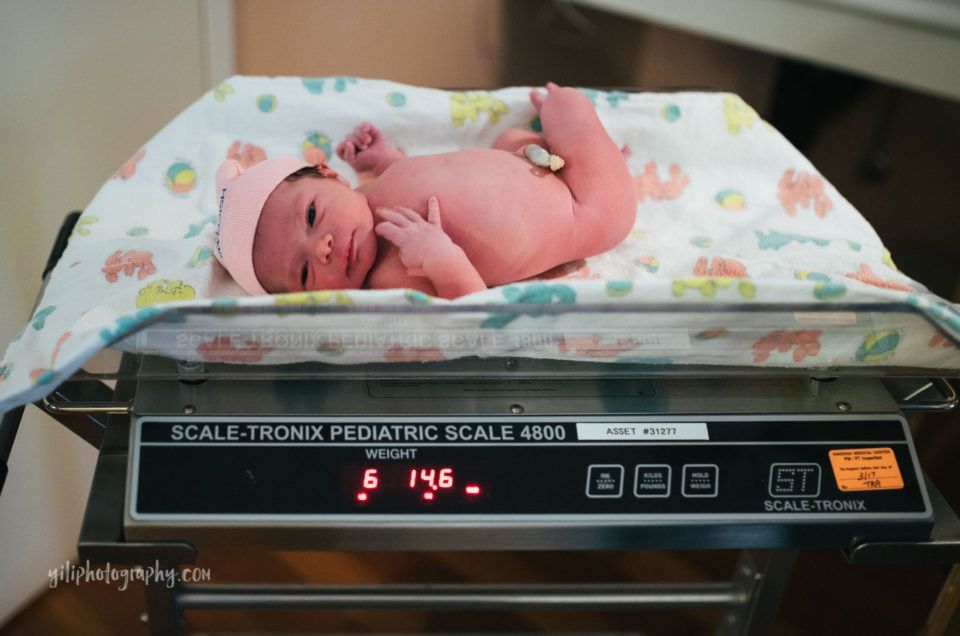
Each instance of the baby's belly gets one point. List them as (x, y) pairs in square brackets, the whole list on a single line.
[(512, 219)]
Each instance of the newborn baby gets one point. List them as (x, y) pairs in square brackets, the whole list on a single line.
[(447, 224)]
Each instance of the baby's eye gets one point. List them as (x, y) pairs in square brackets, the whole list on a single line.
[(311, 214), (303, 275)]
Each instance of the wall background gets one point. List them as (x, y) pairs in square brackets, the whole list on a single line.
[(455, 43), (83, 85)]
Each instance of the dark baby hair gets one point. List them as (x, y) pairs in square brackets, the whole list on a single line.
[(306, 171)]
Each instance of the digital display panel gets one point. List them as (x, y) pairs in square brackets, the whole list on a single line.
[(414, 485), (250, 467)]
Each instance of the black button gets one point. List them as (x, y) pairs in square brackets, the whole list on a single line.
[(604, 481), (701, 480), (653, 480)]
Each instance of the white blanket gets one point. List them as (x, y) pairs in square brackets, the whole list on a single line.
[(727, 212)]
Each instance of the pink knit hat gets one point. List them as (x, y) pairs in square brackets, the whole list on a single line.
[(241, 194)]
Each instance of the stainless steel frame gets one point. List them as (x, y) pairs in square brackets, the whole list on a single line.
[(749, 599)]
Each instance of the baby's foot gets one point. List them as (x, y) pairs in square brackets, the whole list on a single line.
[(367, 149), (537, 98)]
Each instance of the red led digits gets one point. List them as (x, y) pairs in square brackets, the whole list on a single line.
[(371, 481), (446, 478), (421, 482), (431, 477), (428, 476)]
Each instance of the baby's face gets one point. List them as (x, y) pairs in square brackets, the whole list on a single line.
[(314, 233)]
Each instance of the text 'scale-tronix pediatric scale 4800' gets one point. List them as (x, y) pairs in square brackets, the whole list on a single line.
[(768, 477)]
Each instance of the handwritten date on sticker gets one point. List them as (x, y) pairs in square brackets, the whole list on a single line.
[(866, 469)]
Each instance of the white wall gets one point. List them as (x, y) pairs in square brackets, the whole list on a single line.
[(82, 86), (905, 43)]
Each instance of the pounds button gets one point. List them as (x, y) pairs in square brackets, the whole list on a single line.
[(653, 480)]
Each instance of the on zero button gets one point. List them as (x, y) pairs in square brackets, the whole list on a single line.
[(604, 481)]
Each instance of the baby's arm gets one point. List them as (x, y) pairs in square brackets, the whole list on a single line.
[(367, 149), (426, 250)]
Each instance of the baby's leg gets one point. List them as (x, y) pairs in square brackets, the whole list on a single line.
[(595, 171), (514, 139)]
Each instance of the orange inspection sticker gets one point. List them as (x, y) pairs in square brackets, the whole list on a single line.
[(866, 469)]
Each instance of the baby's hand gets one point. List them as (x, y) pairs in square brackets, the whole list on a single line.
[(426, 250), (423, 244), (367, 149)]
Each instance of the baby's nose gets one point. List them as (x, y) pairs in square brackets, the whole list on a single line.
[(323, 247)]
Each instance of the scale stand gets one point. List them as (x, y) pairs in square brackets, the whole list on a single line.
[(750, 599)]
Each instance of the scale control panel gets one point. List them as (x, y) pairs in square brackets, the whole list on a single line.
[(745, 469)]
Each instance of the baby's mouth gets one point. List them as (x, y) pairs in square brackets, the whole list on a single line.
[(350, 254)]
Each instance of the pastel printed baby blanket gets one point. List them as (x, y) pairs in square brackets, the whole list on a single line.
[(729, 217)]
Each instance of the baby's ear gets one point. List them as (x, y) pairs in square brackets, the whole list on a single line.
[(227, 171), (330, 173)]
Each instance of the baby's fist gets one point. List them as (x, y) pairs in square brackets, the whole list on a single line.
[(366, 148)]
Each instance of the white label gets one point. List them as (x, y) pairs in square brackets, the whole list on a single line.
[(825, 317), (642, 431)]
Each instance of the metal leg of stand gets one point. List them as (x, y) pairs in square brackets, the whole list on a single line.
[(9, 424), (762, 577), (10, 420), (944, 618), (163, 614)]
